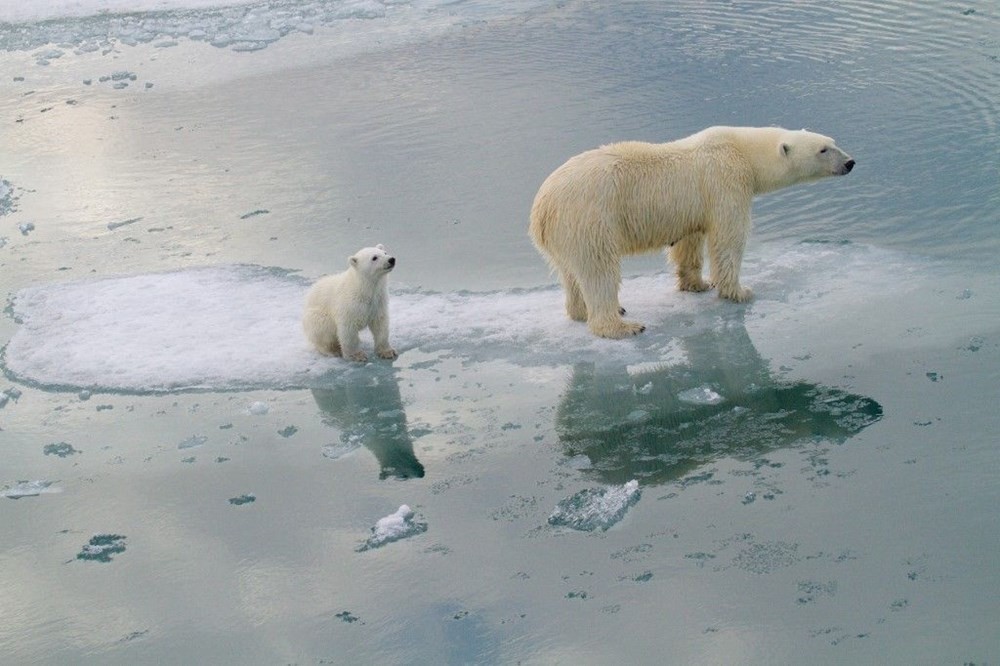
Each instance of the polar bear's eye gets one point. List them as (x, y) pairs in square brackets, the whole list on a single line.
[(823, 151), (374, 258)]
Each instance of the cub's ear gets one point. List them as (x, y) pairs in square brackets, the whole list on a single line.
[(785, 149), (353, 260), (380, 246)]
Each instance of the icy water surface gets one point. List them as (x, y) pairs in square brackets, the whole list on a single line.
[(808, 478)]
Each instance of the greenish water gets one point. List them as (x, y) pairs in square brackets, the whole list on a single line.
[(817, 469)]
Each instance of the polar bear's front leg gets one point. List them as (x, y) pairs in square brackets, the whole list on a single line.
[(688, 255), (726, 242), (350, 342), (380, 331)]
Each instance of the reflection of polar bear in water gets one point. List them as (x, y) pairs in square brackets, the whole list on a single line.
[(659, 425), (339, 306), (633, 197), (369, 410)]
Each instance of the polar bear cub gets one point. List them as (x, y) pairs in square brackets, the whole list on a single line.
[(339, 306)]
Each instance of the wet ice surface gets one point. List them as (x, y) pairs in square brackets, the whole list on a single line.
[(816, 466)]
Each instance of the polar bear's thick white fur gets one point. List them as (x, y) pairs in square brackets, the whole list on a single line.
[(338, 307), (633, 197)]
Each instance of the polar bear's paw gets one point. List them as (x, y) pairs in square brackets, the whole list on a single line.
[(388, 353), (358, 356), (737, 295), (616, 330)]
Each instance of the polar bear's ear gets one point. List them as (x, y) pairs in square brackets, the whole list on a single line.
[(380, 247), (785, 149)]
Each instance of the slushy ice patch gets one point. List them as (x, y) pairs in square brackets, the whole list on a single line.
[(399, 525), (239, 327), (595, 508)]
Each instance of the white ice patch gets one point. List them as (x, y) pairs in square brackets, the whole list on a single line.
[(595, 508), (239, 327), (393, 527)]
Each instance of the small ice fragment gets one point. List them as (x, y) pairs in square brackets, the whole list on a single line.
[(393, 527), (28, 489), (26, 227), (243, 499), (646, 389), (101, 547), (749, 497), (192, 441), (702, 395), (335, 451), (258, 408), (84, 395), (596, 508)]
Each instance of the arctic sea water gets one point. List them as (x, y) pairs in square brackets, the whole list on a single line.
[(809, 478)]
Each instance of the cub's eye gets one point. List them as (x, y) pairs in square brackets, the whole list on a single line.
[(374, 258), (823, 151)]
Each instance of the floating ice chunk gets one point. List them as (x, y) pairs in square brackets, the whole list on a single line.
[(702, 395), (26, 228), (596, 508), (393, 527), (258, 408), (29, 489)]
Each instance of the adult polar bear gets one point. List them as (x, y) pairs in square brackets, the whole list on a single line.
[(632, 197)]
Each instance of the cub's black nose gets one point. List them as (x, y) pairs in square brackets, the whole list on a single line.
[(848, 165), (392, 260)]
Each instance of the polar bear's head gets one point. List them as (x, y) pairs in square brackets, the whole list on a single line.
[(808, 156), (372, 261)]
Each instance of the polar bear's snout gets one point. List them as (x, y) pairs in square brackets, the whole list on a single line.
[(848, 165), (392, 260)]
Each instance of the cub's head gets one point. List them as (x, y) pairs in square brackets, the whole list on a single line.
[(372, 261), (808, 156)]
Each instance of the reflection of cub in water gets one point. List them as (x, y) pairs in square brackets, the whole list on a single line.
[(370, 411), (657, 425)]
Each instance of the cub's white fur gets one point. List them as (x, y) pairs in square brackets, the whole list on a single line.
[(339, 306)]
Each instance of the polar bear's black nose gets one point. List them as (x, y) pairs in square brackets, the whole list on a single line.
[(392, 261), (848, 165)]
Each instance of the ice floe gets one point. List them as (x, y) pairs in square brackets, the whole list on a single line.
[(238, 327)]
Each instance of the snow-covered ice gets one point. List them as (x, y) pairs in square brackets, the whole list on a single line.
[(238, 327), (700, 395)]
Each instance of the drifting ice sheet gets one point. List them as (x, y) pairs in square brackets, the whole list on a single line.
[(238, 327)]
